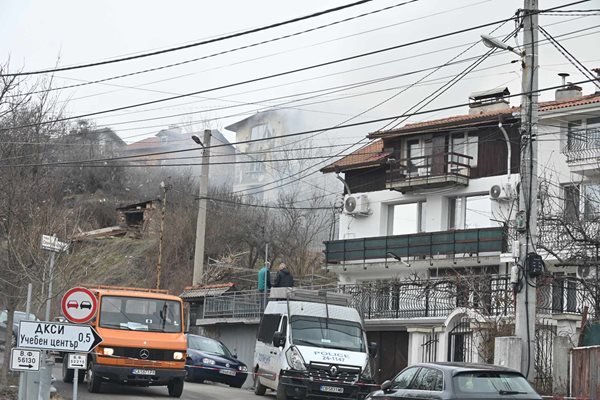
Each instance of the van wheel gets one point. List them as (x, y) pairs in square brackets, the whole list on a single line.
[(67, 374), (93, 381), (281, 394), (259, 388), (175, 387)]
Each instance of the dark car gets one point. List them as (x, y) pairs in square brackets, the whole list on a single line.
[(453, 381), (209, 359), (18, 317), (85, 304)]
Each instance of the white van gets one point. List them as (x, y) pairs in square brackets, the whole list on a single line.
[(312, 344)]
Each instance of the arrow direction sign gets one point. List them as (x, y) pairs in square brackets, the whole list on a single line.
[(25, 359), (59, 337)]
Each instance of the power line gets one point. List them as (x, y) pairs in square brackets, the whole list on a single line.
[(188, 46)]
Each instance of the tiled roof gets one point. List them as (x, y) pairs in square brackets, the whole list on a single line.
[(373, 152), (365, 156)]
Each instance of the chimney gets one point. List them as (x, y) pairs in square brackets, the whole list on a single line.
[(568, 91), (489, 100), (597, 71)]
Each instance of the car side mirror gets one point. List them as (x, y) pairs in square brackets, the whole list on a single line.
[(278, 339), (373, 349), (385, 386)]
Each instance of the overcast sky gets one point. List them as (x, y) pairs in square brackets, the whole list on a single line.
[(38, 34)]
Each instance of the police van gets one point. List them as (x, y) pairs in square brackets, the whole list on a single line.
[(312, 344)]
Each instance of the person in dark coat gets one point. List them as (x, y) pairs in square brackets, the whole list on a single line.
[(284, 278)]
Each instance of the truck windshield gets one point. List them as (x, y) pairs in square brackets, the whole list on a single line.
[(327, 333), (139, 314)]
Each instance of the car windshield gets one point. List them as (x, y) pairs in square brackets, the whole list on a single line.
[(139, 314), (327, 333), (18, 316), (492, 382), (208, 345)]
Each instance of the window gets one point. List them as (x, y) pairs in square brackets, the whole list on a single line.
[(406, 218), (470, 212), (268, 326), (163, 139), (571, 199), (404, 378), (583, 134), (261, 132), (490, 383), (592, 200), (140, 314), (463, 144), (428, 379)]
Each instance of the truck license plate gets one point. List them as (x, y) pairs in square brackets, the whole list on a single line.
[(144, 372), (227, 372), (332, 389)]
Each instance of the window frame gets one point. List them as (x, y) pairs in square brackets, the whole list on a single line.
[(421, 225), (412, 378), (265, 332), (418, 375)]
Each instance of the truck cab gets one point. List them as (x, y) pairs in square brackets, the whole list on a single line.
[(143, 344), (311, 344)]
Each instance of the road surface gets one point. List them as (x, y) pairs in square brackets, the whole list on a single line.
[(192, 391)]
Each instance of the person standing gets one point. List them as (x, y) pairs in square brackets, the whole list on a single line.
[(264, 277), (284, 277)]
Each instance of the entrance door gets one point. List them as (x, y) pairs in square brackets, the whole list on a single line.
[(392, 354)]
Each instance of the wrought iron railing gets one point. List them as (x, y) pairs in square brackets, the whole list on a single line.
[(582, 144), (420, 169), (428, 244), (488, 295)]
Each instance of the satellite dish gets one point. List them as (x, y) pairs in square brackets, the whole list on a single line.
[(350, 204), (495, 192)]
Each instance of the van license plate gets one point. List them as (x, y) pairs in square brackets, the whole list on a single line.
[(227, 372), (144, 372), (332, 389)]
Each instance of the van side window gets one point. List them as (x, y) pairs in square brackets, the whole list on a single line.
[(268, 326), (283, 327)]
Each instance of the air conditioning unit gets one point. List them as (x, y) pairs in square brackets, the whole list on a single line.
[(357, 204), (586, 272), (503, 192)]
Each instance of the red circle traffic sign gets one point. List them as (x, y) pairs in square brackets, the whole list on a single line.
[(79, 305)]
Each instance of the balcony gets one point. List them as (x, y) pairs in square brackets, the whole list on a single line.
[(583, 147), (428, 172), (449, 243)]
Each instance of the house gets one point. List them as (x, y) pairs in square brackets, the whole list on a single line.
[(183, 152), (428, 221), (142, 218), (95, 142)]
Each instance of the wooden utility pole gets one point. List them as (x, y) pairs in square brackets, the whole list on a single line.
[(162, 231)]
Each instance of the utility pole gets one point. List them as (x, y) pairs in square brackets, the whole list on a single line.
[(526, 292), (162, 231), (202, 204)]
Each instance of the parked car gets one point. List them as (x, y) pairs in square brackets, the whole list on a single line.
[(452, 381), (18, 317), (209, 359)]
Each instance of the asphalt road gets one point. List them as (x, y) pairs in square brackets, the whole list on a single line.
[(192, 391)]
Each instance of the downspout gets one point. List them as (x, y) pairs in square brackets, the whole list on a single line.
[(337, 175), (507, 148)]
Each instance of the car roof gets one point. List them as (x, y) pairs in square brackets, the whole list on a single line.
[(458, 367)]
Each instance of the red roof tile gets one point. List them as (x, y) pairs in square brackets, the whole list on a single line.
[(367, 155)]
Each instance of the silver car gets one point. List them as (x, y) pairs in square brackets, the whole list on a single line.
[(18, 317), (453, 381)]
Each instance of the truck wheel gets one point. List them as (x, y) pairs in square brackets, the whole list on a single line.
[(93, 381), (259, 389), (175, 387), (281, 394), (67, 374)]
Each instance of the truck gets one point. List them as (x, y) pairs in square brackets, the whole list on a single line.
[(312, 344), (143, 340)]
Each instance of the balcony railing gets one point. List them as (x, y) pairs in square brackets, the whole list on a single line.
[(430, 244), (489, 295), (436, 170), (582, 144)]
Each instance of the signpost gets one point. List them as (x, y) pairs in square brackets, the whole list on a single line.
[(58, 337), (76, 362), (79, 305), (51, 243), (25, 359)]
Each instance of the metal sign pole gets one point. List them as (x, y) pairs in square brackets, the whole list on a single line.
[(23, 375), (75, 382)]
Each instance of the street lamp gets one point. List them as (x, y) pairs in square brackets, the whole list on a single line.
[(525, 302), (198, 273)]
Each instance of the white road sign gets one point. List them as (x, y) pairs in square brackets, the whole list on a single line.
[(25, 359), (53, 244), (77, 361), (59, 337)]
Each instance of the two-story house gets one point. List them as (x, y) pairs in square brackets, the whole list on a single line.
[(428, 220)]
